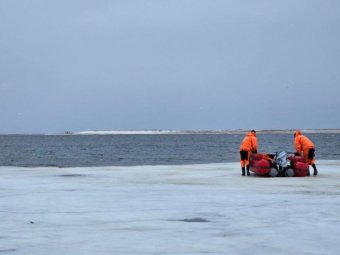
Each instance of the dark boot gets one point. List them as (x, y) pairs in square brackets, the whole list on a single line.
[(315, 170), (243, 171), (248, 167)]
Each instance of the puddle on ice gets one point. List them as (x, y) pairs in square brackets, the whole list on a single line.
[(7, 250), (72, 175), (199, 220)]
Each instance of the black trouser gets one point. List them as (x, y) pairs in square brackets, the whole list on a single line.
[(244, 155), (311, 153)]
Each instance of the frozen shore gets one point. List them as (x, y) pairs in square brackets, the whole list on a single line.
[(189, 209), (231, 131)]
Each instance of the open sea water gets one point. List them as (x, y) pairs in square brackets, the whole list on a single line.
[(151, 149)]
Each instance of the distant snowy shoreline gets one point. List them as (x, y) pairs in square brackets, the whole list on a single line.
[(183, 132), (237, 131)]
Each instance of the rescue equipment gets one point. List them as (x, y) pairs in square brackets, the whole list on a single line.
[(282, 164)]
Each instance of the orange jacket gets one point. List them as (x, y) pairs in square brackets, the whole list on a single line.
[(249, 142), (302, 142)]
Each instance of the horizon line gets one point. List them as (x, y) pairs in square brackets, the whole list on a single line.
[(188, 131)]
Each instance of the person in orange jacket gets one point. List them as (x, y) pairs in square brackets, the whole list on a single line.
[(305, 147), (248, 146)]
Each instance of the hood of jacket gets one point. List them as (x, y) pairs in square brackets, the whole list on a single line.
[(297, 133), (251, 134)]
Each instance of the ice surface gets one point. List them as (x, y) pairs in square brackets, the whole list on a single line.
[(190, 209)]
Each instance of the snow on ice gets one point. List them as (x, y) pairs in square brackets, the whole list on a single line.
[(188, 209)]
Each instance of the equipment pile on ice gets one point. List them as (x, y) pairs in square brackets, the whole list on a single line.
[(279, 164)]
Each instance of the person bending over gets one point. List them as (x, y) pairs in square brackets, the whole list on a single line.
[(305, 147)]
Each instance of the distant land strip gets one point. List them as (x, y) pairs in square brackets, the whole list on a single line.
[(234, 131)]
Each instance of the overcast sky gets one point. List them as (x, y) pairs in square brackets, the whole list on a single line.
[(168, 64)]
